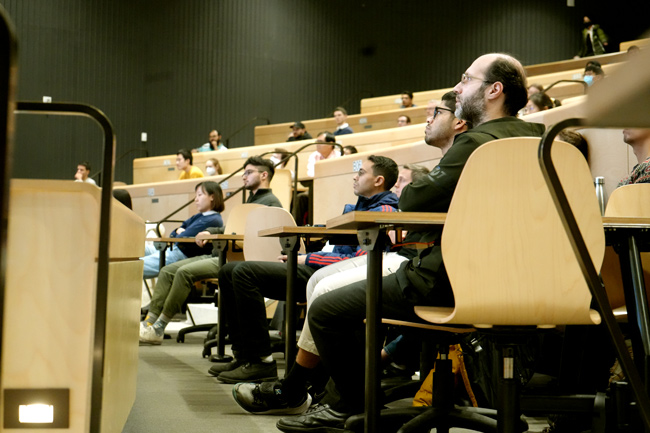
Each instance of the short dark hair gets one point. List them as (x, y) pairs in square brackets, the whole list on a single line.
[(593, 63), (386, 167), (341, 109), (262, 165), (352, 149), (408, 119), (408, 93), (213, 189), (449, 100), (577, 139), (541, 100), (537, 86), (595, 69), (507, 71), (329, 137), (186, 154), (86, 164), (417, 171)]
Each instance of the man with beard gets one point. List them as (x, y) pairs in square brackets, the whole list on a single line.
[(491, 92)]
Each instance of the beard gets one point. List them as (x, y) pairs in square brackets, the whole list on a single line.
[(472, 109)]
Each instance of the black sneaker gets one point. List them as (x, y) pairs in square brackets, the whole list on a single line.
[(267, 398), (219, 368), (251, 372), (320, 418)]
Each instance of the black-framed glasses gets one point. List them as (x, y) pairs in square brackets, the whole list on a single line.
[(466, 78), (249, 172), (437, 110)]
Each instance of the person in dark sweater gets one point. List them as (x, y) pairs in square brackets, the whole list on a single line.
[(244, 285), (176, 281), (209, 202), (298, 132), (491, 92)]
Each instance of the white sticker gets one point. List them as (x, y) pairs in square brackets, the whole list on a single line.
[(356, 165), (167, 162), (224, 184), (363, 120), (151, 192)]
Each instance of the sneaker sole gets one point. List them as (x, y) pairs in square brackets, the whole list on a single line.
[(279, 411), (293, 429), (150, 343), (247, 380)]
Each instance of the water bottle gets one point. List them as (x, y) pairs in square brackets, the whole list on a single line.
[(599, 182)]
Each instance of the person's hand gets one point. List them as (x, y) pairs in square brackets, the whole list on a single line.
[(179, 230), (282, 258), (302, 259), (201, 242), (78, 176)]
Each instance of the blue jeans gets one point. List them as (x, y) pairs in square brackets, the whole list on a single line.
[(152, 259)]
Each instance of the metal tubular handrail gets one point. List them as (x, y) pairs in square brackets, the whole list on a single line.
[(584, 84), (586, 264), (75, 109), (241, 128)]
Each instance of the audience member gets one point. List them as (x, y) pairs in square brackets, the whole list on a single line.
[(534, 88), (407, 99), (594, 39), (593, 74), (403, 121), (575, 138), (280, 156), (489, 95), (299, 132), (431, 105), (442, 127), (184, 161), (323, 151), (123, 197), (244, 285), (639, 140), (349, 150), (212, 167), (214, 143), (209, 202), (341, 117), (538, 102), (407, 174), (83, 173), (176, 280)]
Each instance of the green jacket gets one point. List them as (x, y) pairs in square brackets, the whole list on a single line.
[(598, 42), (423, 278)]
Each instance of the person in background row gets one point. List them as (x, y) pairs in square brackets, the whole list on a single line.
[(324, 150), (341, 118), (184, 165), (83, 171), (534, 88), (212, 167), (575, 138), (299, 132), (639, 140), (403, 121), (431, 106), (538, 102), (407, 99), (214, 143), (593, 74), (349, 150), (594, 40)]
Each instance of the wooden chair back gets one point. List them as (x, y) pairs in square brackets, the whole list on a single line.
[(626, 201), (506, 252), (282, 187), (257, 248)]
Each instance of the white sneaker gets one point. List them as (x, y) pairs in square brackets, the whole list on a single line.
[(148, 335)]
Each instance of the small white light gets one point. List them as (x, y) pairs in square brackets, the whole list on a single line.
[(36, 413)]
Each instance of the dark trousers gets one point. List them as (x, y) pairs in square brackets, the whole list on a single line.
[(336, 322), (243, 286)]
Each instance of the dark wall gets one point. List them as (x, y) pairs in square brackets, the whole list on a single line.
[(176, 69)]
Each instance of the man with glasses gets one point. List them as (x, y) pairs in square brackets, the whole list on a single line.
[(491, 92), (257, 177)]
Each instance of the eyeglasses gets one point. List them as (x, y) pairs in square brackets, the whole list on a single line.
[(437, 111), (249, 172), (466, 78)]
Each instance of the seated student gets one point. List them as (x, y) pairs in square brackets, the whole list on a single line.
[(176, 280), (284, 397), (534, 88), (403, 121), (209, 202), (212, 167), (593, 74), (244, 285), (489, 95), (639, 140), (342, 126), (83, 172), (184, 165), (349, 150), (407, 99), (323, 151), (299, 132), (214, 143), (538, 102)]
